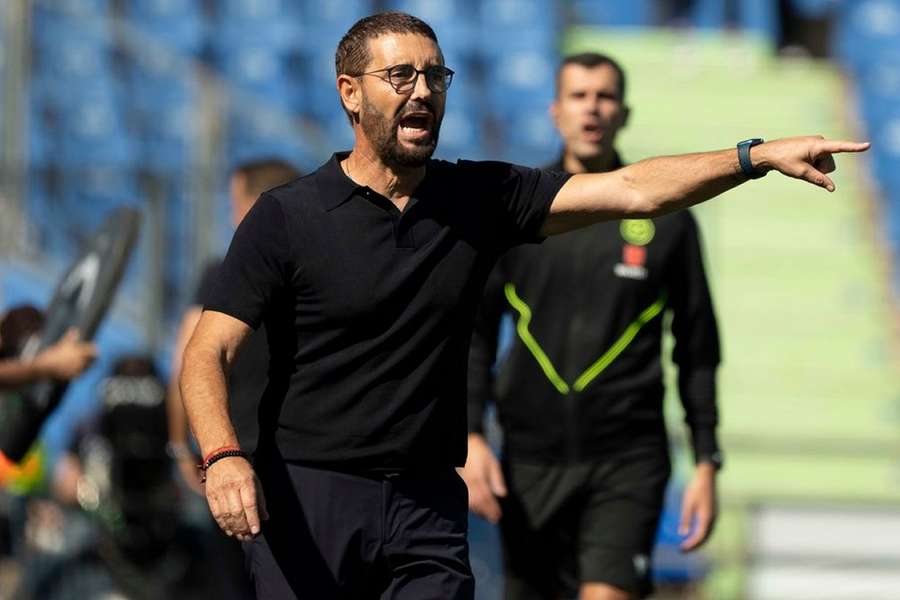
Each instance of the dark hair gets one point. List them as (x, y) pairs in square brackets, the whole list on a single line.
[(592, 60), (353, 54), (18, 325), (263, 175)]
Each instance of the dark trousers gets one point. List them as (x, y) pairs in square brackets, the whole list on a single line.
[(339, 535)]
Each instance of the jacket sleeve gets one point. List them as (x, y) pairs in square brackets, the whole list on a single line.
[(483, 350), (696, 350)]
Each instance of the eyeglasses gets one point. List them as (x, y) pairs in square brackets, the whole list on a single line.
[(403, 78)]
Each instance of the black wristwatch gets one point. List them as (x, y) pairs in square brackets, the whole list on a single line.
[(713, 458), (743, 149)]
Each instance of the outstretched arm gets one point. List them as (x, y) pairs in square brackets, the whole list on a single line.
[(661, 185)]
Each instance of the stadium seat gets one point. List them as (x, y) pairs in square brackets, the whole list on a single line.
[(760, 17), (520, 79), (68, 55), (462, 135), (454, 21), (275, 76), (634, 13), (868, 30), (708, 14), (180, 24), (813, 9), (327, 22), (510, 24), (321, 92), (255, 131), (530, 137), (277, 23)]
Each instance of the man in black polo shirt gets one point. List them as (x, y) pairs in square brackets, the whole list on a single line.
[(367, 274), (579, 395)]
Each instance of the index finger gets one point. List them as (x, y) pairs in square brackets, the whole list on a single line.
[(836, 146), (248, 499)]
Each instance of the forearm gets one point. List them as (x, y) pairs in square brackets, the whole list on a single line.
[(647, 188), (177, 419), (16, 373), (205, 398)]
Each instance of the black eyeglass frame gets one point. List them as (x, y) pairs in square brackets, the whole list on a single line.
[(406, 87)]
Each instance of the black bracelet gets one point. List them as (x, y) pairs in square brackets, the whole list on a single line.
[(217, 457)]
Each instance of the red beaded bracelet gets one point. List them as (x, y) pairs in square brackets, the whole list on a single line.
[(217, 450), (217, 455)]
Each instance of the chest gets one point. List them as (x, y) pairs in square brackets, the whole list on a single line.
[(366, 260), (631, 253)]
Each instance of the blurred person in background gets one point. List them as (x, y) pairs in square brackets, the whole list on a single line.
[(367, 275), (35, 526), (248, 376), (585, 458), (135, 543), (64, 360)]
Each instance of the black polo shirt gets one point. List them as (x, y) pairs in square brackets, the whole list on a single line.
[(369, 310)]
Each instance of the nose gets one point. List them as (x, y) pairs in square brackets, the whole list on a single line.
[(421, 91)]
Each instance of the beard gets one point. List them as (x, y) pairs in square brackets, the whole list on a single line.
[(382, 133)]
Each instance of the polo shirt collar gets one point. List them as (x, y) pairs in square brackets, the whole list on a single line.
[(335, 187)]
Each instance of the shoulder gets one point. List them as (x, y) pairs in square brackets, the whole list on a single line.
[(294, 194)]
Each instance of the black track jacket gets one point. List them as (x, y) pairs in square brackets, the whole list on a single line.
[(583, 377)]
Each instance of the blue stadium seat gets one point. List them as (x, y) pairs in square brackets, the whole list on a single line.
[(82, 8), (708, 14), (454, 21), (279, 23), (530, 137), (462, 135), (327, 22), (520, 79), (321, 91), (158, 80), (511, 24), (813, 9), (85, 126), (259, 69), (760, 17), (633, 13), (255, 131), (180, 24), (68, 55), (868, 30)]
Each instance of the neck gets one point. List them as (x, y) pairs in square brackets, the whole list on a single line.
[(600, 163), (396, 184)]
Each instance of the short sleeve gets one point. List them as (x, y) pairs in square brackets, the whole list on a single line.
[(256, 267), (522, 196)]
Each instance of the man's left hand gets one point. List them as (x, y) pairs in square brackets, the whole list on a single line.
[(698, 508)]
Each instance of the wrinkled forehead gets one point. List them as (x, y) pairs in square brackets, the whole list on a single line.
[(403, 48)]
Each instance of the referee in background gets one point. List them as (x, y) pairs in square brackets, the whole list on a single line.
[(580, 396)]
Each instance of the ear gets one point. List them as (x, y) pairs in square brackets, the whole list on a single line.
[(553, 111), (350, 91), (625, 114)]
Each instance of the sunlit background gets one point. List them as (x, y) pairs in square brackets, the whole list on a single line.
[(148, 103)]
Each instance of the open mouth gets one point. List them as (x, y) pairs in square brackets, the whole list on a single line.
[(416, 126), (592, 132)]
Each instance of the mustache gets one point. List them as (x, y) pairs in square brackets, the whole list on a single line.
[(416, 106)]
